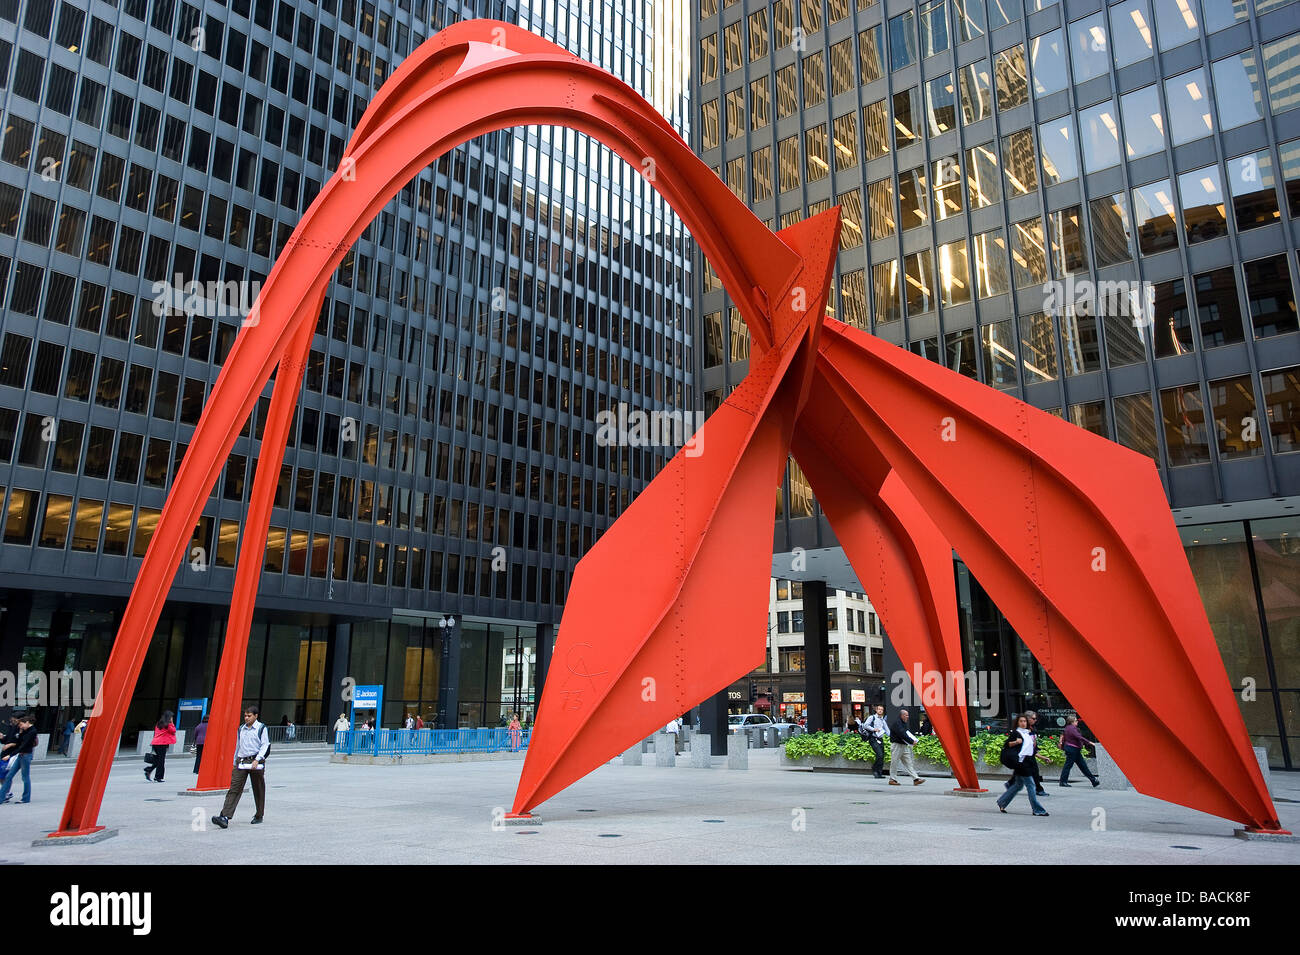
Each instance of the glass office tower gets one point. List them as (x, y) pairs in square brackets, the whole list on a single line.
[(443, 475), (1094, 207)]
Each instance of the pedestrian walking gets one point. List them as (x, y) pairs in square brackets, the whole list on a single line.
[(19, 747), (341, 725), (674, 729), (251, 749), (901, 741), (516, 733), (1032, 716), (1072, 741), (200, 737), (1018, 756), (164, 735), (873, 731), (65, 743)]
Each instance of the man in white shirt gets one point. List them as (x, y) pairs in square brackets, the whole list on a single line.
[(250, 764), (674, 727)]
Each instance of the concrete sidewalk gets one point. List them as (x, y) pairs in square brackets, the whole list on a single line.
[(320, 812)]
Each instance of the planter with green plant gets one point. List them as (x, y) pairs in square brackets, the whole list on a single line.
[(848, 751)]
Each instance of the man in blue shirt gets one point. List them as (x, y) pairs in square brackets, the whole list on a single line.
[(250, 763)]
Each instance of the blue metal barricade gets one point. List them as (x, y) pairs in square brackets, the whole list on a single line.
[(428, 742)]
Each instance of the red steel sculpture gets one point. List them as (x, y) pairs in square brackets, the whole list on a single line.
[(1069, 533)]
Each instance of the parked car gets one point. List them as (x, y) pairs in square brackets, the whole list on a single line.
[(739, 722)]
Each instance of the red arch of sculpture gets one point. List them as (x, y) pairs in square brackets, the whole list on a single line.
[(906, 457)]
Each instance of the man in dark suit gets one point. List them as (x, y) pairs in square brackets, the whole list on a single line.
[(901, 741)]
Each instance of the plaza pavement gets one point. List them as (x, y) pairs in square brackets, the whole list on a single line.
[(318, 812)]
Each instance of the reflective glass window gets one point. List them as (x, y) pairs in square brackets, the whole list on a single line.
[(983, 181), (1269, 295), (1011, 79), (1047, 63), (919, 272), (1218, 310), (974, 84), (1056, 144), (1177, 22), (1236, 418), (1099, 136), (1282, 72), (1254, 190), (1130, 30), (1182, 410), (1236, 90), (1110, 229), (1189, 107), (1204, 213), (1144, 123), (1089, 50), (1153, 217)]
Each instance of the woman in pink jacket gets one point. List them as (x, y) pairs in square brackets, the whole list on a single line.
[(164, 735)]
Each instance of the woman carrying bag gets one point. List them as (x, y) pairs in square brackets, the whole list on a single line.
[(1018, 756), (164, 735)]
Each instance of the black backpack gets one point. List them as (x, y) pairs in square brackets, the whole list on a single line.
[(1010, 755)]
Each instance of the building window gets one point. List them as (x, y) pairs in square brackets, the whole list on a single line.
[(1154, 218), (1217, 307), (761, 170), (876, 132), (999, 346), (1253, 188), (1183, 412), (907, 126), (1281, 399), (1110, 229), (757, 35), (1090, 54), (1236, 420), (1282, 72), (709, 125), (886, 293), (902, 41), (974, 83), (1099, 137), (991, 273), (1236, 90), (954, 273), (1176, 23), (845, 131), (1060, 162), (1172, 325), (941, 105), (1130, 28), (1028, 253), (919, 272), (816, 155), (1188, 103), (934, 28), (709, 58), (1047, 63), (760, 103), (1268, 291), (787, 100), (1038, 347), (871, 61), (1135, 424), (1019, 164), (912, 199), (1069, 251)]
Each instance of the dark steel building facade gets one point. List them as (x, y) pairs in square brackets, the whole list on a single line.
[(1094, 207), (443, 475)]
